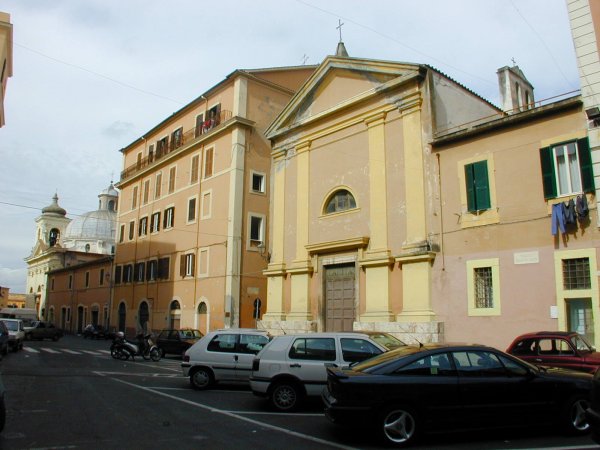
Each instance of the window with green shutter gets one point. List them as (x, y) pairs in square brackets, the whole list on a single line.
[(478, 186), (567, 168)]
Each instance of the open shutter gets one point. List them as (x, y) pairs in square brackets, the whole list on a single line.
[(182, 265), (482, 185), (585, 162), (193, 261), (470, 182), (548, 178)]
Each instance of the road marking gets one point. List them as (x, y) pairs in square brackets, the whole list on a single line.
[(49, 350), (274, 413), (73, 352), (105, 351), (233, 415), (30, 350), (89, 352)]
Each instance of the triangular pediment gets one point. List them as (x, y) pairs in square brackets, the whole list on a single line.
[(336, 84)]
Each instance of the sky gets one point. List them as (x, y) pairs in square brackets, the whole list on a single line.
[(90, 77)]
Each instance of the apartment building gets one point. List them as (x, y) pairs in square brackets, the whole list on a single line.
[(6, 59), (191, 240)]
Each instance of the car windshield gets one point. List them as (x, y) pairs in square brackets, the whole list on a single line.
[(385, 357), (387, 340), (581, 344), (12, 326)]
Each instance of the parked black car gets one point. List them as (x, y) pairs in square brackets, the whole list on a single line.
[(593, 412), (177, 341), (43, 330), (434, 388)]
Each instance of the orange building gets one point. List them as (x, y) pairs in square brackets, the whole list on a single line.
[(194, 204)]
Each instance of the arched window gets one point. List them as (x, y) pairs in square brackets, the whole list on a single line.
[(519, 96), (87, 248), (202, 308), (111, 205), (53, 236), (340, 200)]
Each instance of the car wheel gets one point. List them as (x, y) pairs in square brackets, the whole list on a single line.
[(201, 378), (20, 345), (574, 418), (398, 426), (15, 348), (286, 396)]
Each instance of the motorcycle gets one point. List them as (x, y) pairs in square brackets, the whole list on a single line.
[(123, 349)]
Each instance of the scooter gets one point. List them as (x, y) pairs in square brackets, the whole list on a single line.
[(121, 348)]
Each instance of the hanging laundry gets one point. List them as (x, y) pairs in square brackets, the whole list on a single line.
[(558, 219), (582, 207), (569, 210)]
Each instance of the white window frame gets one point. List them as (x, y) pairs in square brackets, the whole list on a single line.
[(143, 226), (187, 217), (569, 180), (494, 264), (153, 216), (189, 269), (199, 168), (252, 244), (206, 206), (158, 185), (172, 220), (203, 273), (263, 189)]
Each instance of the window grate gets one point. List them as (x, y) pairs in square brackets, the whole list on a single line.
[(576, 273), (484, 297)]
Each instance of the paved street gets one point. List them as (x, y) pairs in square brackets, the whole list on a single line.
[(72, 394)]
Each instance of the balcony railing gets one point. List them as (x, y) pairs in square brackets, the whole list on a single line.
[(177, 141)]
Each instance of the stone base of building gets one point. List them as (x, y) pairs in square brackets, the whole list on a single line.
[(408, 332), (277, 327)]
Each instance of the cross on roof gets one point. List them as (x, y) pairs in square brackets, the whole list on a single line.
[(339, 27)]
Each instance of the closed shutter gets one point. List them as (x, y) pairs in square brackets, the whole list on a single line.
[(585, 161), (118, 275), (477, 185), (482, 185), (548, 177)]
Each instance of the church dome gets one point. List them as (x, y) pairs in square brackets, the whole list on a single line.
[(54, 208), (97, 225)]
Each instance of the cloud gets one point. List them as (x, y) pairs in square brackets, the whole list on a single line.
[(14, 279), (118, 129)]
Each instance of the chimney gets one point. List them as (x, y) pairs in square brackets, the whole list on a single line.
[(516, 93)]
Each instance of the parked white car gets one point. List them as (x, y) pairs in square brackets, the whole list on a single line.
[(16, 333), (291, 367), (223, 356)]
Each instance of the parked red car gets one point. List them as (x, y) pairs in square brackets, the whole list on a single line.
[(557, 349)]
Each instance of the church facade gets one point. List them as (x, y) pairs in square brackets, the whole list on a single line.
[(59, 284), (404, 202)]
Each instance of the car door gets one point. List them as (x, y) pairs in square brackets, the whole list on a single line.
[(248, 346), (559, 352), (307, 359), (495, 390), (221, 355)]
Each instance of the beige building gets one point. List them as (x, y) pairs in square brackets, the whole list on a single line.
[(6, 59), (404, 202), (80, 294), (194, 204)]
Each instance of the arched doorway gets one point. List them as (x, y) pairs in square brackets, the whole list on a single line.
[(175, 315), (122, 317), (143, 317)]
